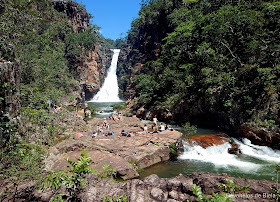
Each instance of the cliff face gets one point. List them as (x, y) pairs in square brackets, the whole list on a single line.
[(144, 45), (77, 15), (91, 69)]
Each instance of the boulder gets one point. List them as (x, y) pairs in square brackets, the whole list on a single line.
[(234, 149), (208, 140)]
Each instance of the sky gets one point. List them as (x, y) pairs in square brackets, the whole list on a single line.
[(113, 16)]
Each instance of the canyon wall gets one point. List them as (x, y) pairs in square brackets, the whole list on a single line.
[(91, 69)]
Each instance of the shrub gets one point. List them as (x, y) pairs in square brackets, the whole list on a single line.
[(223, 197), (74, 179), (116, 198)]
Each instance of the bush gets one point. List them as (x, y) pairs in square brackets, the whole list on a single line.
[(74, 179), (116, 198), (223, 197), (22, 161)]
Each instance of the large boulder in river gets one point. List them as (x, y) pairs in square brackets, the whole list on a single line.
[(208, 140)]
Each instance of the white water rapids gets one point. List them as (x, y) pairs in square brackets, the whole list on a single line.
[(219, 156), (109, 92)]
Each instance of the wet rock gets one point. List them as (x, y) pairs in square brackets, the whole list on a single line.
[(260, 135), (234, 149), (209, 140)]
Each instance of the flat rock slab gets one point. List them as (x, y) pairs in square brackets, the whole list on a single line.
[(99, 158), (142, 150), (124, 154)]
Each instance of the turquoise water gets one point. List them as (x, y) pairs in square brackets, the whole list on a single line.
[(103, 109), (173, 168)]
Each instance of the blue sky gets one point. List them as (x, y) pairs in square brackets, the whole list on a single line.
[(113, 16)]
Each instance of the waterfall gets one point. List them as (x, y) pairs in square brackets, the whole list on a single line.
[(110, 90)]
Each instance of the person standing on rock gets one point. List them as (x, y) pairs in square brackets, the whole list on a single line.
[(155, 123), (146, 129)]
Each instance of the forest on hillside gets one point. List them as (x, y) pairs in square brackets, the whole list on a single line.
[(206, 59), (40, 50)]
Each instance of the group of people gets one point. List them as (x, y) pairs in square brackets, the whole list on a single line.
[(116, 117), (105, 126), (156, 128), (86, 111)]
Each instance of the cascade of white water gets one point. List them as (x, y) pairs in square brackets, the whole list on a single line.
[(219, 156), (261, 152), (110, 90)]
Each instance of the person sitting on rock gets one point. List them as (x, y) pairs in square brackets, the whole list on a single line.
[(94, 134), (99, 129), (113, 117), (89, 113), (166, 127), (120, 117), (162, 127), (104, 125), (123, 133), (107, 125)]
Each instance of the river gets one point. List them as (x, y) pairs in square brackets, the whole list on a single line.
[(255, 162)]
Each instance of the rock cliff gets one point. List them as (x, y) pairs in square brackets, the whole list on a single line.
[(92, 68), (77, 15)]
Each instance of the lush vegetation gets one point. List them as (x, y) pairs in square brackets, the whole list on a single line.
[(215, 58), (228, 191), (43, 43)]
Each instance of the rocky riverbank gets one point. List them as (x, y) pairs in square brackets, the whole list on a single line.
[(125, 154), (153, 188)]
